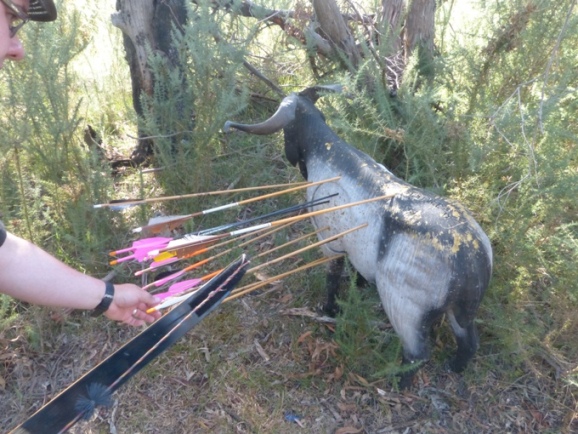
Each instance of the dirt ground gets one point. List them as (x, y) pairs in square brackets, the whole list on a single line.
[(251, 367)]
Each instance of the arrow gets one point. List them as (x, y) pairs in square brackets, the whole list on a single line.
[(140, 249), (294, 208), (149, 248), (141, 243), (180, 287), (133, 202), (303, 249), (186, 240), (177, 274), (264, 233), (173, 248), (198, 264), (175, 222), (288, 219)]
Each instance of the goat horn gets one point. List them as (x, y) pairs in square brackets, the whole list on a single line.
[(284, 114)]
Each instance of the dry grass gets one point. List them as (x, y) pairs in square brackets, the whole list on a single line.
[(250, 367)]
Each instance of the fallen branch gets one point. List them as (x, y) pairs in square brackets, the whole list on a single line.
[(307, 313)]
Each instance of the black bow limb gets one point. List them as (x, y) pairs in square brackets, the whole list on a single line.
[(95, 388)]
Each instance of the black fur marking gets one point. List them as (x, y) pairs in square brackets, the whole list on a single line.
[(334, 273)]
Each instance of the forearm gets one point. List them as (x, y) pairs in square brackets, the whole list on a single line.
[(30, 274)]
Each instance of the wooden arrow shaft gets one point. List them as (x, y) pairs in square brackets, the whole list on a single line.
[(291, 242), (304, 249), (192, 195), (310, 214), (171, 224), (240, 292)]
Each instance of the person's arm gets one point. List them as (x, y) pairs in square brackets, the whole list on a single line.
[(30, 274)]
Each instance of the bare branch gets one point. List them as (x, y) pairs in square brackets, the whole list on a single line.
[(247, 8), (333, 27)]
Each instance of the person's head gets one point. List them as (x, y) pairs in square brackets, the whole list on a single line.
[(13, 15)]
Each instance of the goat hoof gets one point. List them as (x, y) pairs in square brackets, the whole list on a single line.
[(330, 310), (455, 365), (405, 381)]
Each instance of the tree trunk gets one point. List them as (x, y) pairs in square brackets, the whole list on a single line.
[(391, 18), (147, 27), (419, 34), (333, 28)]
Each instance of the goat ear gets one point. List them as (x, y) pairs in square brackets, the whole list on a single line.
[(315, 92)]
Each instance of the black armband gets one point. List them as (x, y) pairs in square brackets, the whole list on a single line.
[(106, 300)]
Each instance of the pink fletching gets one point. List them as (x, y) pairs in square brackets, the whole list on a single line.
[(170, 277), (144, 243), (179, 287)]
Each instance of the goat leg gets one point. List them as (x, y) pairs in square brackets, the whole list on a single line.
[(406, 377), (334, 272), (468, 343)]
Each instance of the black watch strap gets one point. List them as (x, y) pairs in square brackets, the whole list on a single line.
[(106, 300)]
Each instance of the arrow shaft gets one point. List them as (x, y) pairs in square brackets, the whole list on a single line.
[(244, 290), (156, 228), (291, 220), (291, 242), (290, 209), (182, 243), (304, 249), (330, 209), (192, 195)]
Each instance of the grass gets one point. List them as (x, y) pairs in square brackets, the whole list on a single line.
[(217, 379), (251, 368)]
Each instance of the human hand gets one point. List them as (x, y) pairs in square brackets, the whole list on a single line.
[(129, 305)]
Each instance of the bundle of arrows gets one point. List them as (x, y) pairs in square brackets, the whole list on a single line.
[(190, 299), (163, 251)]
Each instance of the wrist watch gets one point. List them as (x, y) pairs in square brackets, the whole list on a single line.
[(105, 302)]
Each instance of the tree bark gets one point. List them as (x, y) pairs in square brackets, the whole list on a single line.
[(332, 26), (134, 18), (420, 31), (391, 18), (147, 27)]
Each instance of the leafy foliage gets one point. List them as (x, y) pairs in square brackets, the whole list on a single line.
[(48, 178), (524, 152), (193, 99), (363, 347)]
